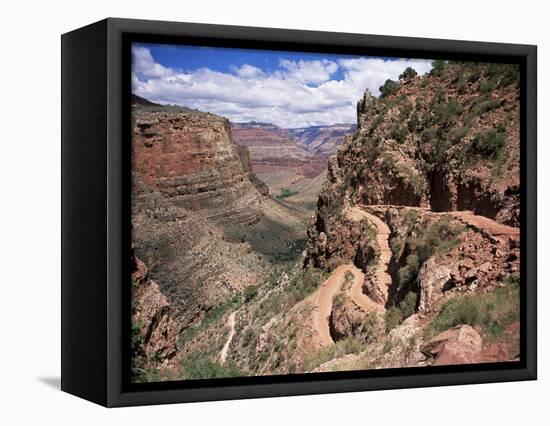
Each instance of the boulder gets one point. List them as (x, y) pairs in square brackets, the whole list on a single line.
[(459, 345), (431, 281)]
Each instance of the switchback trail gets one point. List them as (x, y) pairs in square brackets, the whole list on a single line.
[(325, 296), (382, 277), (225, 349), (478, 222), (483, 223)]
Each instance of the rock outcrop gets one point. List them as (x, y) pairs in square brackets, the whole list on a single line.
[(154, 331), (459, 345), (432, 279)]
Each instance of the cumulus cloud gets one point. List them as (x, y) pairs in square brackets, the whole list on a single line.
[(296, 94)]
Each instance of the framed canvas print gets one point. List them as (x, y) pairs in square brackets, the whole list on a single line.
[(252, 212)]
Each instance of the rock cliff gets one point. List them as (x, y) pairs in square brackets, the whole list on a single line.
[(191, 157)]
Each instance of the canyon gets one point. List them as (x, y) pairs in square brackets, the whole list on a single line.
[(391, 243), (290, 158)]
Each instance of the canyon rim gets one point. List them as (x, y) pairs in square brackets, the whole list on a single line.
[(308, 213)]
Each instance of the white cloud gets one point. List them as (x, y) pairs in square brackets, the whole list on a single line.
[(308, 71), (248, 71), (145, 65), (297, 94)]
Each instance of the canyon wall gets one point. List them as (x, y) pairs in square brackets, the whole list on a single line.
[(275, 152), (190, 157)]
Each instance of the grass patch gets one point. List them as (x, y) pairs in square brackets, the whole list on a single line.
[(196, 367), (337, 350), (285, 193), (491, 312)]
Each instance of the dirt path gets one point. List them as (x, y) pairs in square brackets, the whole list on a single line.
[(225, 349), (383, 278), (359, 297), (323, 302), (483, 223), (478, 222)]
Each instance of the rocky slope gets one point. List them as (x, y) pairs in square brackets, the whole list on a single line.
[(323, 140), (201, 220), (154, 333)]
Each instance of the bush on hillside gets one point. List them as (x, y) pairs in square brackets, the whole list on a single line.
[(389, 88), (490, 143), (408, 74)]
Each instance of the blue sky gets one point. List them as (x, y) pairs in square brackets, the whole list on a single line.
[(290, 89)]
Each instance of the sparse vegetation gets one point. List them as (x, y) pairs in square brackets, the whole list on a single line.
[(210, 317), (305, 283), (437, 239), (338, 349), (285, 193), (438, 67), (396, 314), (196, 367), (491, 312), (489, 143)]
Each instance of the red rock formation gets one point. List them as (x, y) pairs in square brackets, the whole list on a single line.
[(190, 156)]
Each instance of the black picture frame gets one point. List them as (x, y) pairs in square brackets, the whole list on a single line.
[(96, 212)]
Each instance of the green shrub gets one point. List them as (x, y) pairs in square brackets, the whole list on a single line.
[(490, 143), (209, 318), (388, 161), (457, 133), (438, 238), (393, 317), (488, 86), (408, 74), (305, 283), (398, 132), (462, 84), (438, 67), (409, 272), (389, 88), (484, 105), (408, 304), (285, 193), (250, 292), (412, 124), (405, 110), (447, 112)]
